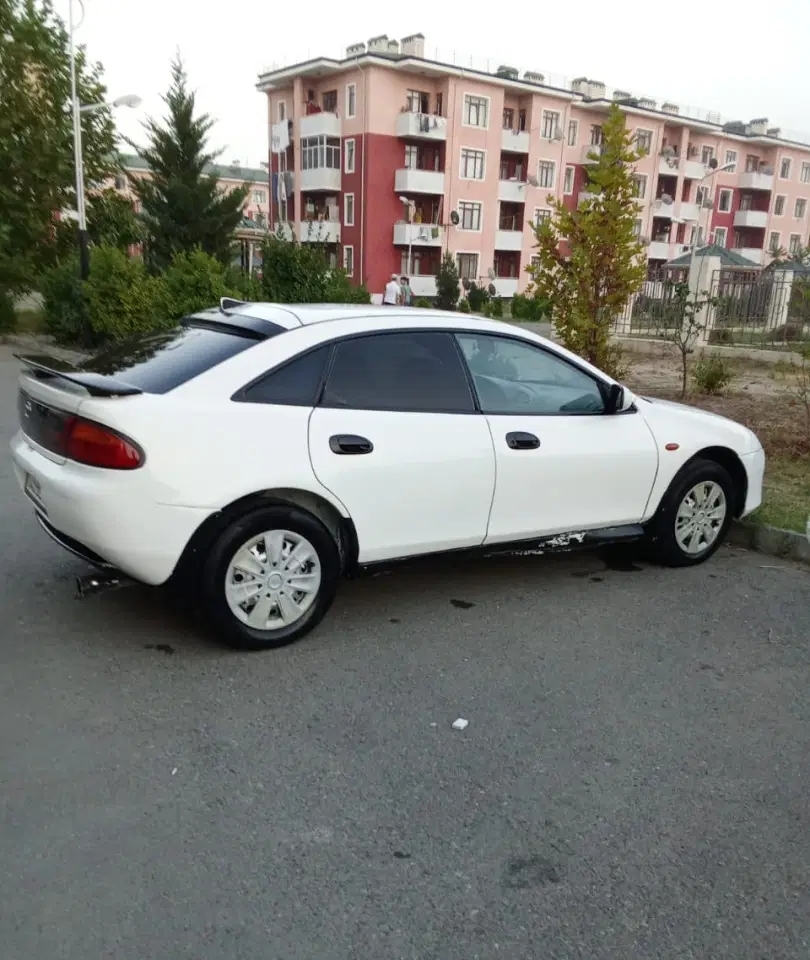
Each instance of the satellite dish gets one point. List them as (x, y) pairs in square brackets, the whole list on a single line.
[(454, 218), (668, 152), (665, 198), (713, 163), (492, 290), (532, 181), (465, 283), (491, 273)]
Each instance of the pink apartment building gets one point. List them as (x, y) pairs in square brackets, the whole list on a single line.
[(385, 146)]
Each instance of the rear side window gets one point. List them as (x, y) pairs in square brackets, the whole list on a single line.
[(163, 361), (294, 384)]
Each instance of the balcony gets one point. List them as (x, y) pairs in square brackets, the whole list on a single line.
[(668, 169), (757, 219), (756, 181), (418, 235), (505, 286), (675, 211), (320, 125), (693, 170), (320, 179), (508, 239), (514, 141), (688, 211), (283, 230), (422, 286), (419, 181), (319, 231), (662, 250), (421, 126), (591, 152), (754, 254), (511, 191)]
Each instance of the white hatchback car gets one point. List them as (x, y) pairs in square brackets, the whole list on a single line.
[(260, 451)]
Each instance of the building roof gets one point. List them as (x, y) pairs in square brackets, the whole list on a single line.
[(132, 161), (727, 258), (794, 266)]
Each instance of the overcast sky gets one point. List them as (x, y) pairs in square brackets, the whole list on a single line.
[(743, 60)]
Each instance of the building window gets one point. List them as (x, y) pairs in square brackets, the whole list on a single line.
[(644, 141), (800, 209), (774, 242), (469, 215), (795, 245), (348, 160), (351, 99), (282, 111), (568, 182), (120, 183), (259, 196), (721, 236), (467, 266), (731, 158), (573, 132), (348, 210), (508, 118), (706, 155), (472, 164), (551, 124), (639, 186), (329, 101), (804, 174), (784, 168), (724, 200), (417, 101), (348, 260), (415, 265), (317, 152), (476, 111), (597, 135), (541, 214), (545, 174), (637, 226), (411, 157), (779, 206)]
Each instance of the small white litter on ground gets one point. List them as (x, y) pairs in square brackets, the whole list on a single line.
[(460, 724), (174, 771)]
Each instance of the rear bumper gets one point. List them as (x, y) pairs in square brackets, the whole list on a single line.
[(109, 518), (754, 464)]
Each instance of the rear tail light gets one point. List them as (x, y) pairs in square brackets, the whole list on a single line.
[(98, 446)]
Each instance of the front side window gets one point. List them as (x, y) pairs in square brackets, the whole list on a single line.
[(472, 164), (467, 264), (639, 186), (644, 140), (319, 152), (551, 124), (545, 174), (512, 377), (724, 200), (418, 372), (731, 158), (350, 151), (573, 132), (476, 111), (295, 383), (469, 215), (784, 169)]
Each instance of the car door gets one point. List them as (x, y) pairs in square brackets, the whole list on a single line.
[(396, 437), (562, 464)]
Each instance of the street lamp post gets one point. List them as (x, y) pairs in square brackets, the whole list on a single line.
[(130, 100), (411, 207), (706, 176)]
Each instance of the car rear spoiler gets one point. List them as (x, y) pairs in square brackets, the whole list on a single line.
[(97, 385)]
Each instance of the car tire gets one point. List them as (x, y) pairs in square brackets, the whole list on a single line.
[(264, 569), (668, 534)]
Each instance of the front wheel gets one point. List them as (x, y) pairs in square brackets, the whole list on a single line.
[(271, 577), (694, 516)]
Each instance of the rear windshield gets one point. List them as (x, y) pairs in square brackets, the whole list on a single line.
[(160, 362)]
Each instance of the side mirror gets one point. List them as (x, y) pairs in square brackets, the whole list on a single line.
[(614, 400)]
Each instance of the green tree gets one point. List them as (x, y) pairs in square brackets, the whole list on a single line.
[(295, 272), (447, 290), (111, 222), (37, 172), (183, 207), (589, 260)]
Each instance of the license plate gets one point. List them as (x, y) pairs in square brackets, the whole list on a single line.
[(34, 490)]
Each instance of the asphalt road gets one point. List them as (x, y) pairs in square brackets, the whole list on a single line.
[(632, 782)]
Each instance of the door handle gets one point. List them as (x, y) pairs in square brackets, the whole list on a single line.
[(519, 440), (349, 444)]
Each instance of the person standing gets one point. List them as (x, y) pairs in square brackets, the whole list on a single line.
[(393, 292), (407, 296)]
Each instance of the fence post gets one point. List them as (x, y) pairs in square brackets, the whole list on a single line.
[(704, 282), (622, 324), (779, 300)]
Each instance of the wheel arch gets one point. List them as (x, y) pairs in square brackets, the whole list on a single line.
[(731, 462), (341, 528)]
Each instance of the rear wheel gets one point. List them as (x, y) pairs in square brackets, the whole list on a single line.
[(271, 577), (694, 516)]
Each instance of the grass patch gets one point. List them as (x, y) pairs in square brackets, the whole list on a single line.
[(786, 499)]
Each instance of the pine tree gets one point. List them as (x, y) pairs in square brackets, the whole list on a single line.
[(447, 290), (183, 206), (589, 259)]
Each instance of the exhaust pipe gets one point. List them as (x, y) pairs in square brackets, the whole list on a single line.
[(99, 582)]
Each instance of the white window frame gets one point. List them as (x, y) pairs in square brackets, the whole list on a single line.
[(648, 135), (466, 102), (725, 192), (794, 248), (259, 197), (796, 214), (804, 172), (461, 164), (537, 219), (721, 236), (351, 93), (553, 184), (782, 162), (544, 135), (460, 212), (776, 211), (346, 204), (568, 189), (281, 110), (346, 168), (638, 226), (572, 125), (706, 151), (468, 253), (731, 157), (773, 247), (348, 255), (640, 179)]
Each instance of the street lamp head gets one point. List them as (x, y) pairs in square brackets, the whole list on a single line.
[(406, 200), (131, 100)]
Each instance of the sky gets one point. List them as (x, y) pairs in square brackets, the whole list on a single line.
[(743, 60)]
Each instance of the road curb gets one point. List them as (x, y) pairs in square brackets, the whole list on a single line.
[(786, 544)]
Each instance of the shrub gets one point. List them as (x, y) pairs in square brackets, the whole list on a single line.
[(422, 302), (300, 273), (712, 374), (193, 281), (477, 297), (447, 290), (496, 307), (8, 314), (464, 306), (529, 307), (63, 315), (122, 299)]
